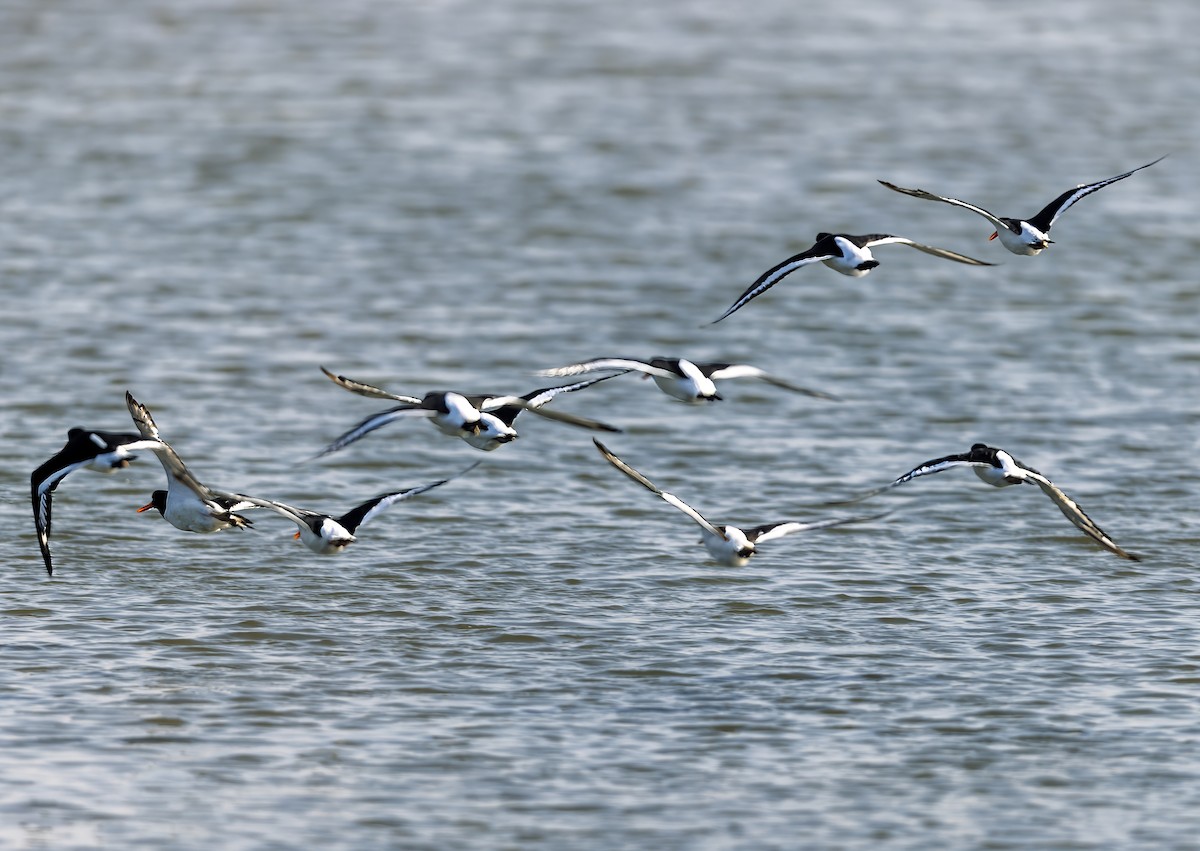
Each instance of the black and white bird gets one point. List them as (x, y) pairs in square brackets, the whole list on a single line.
[(99, 451), (483, 421), (689, 381), (728, 545), (1000, 469), (846, 253), (325, 534), (1030, 236), (186, 504)]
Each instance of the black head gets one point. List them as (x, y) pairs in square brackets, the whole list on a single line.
[(983, 452), (158, 501), (867, 265)]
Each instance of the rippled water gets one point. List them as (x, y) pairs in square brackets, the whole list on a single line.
[(203, 202)]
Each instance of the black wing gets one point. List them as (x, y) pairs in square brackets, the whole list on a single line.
[(1049, 214), (371, 423), (823, 250)]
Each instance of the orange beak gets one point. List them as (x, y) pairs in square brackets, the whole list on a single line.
[(145, 507), (296, 536), (993, 236)]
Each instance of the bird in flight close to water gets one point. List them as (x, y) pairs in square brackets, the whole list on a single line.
[(1030, 236), (728, 545), (187, 503), (1000, 469), (85, 449), (846, 253), (483, 421), (325, 534), (682, 379)]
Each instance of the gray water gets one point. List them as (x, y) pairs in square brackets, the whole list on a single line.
[(203, 202)]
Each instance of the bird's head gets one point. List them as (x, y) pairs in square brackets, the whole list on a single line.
[(158, 501)]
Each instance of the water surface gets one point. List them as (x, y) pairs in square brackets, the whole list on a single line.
[(203, 202)]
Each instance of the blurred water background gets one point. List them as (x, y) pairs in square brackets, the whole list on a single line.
[(202, 202)]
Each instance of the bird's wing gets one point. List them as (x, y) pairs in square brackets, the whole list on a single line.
[(367, 390), (1075, 514), (299, 516), (597, 364), (41, 523), (537, 398), (944, 253), (108, 441), (560, 416), (172, 464), (769, 531), (233, 501), (776, 274), (42, 483), (929, 196), (176, 469), (507, 407), (1049, 214), (46, 478), (669, 498), (362, 514), (720, 371), (373, 422), (936, 465), (141, 417)]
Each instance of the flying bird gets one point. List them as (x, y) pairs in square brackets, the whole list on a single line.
[(187, 503), (483, 421), (325, 534), (1027, 237), (842, 252), (689, 381), (1000, 469), (85, 449), (728, 545)]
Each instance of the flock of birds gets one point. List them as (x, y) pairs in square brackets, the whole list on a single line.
[(486, 421)]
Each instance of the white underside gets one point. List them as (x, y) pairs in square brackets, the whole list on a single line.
[(725, 550), (684, 389), (1025, 243), (852, 257), (492, 431), (186, 511), (333, 538)]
